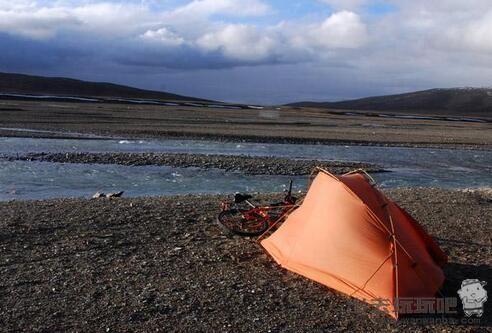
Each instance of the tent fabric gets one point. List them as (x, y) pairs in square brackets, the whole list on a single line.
[(348, 236)]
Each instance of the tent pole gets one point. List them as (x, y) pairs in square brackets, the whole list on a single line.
[(395, 251)]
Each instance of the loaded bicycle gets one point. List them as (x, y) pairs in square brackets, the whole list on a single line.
[(243, 217)]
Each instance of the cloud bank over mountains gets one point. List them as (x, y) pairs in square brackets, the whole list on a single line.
[(328, 49)]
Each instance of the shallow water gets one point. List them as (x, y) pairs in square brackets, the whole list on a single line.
[(448, 168), (41, 180), (387, 156)]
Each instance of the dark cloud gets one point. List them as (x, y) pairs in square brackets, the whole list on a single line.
[(19, 54), (182, 58)]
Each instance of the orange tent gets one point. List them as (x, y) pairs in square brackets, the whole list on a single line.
[(348, 236)]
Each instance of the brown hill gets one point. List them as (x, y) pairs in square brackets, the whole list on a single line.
[(476, 102), (11, 83)]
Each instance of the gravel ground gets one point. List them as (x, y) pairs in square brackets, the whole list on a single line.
[(246, 164), (162, 264), (287, 125)]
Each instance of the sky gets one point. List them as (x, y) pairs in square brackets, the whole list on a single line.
[(254, 51)]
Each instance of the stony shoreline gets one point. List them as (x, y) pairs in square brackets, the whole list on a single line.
[(248, 164), (100, 135), (162, 264)]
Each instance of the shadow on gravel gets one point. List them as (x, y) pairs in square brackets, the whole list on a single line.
[(455, 274)]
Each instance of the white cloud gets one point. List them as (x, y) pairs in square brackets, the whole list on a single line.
[(450, 28), (163, 36), (16, 5), (115, 20), (229, 7), (476, 35), (43, 22), (341, 30), (37, 23), (40, 20), (191, 24), (239, 41)]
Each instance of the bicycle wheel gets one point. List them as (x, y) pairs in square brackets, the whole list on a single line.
[(236, 221)]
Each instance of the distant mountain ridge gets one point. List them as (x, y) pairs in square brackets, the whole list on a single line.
[(464, 102), (12, 83), (440, 101)]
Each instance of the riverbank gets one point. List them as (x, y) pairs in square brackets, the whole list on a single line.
[(235, 138), (162, 264), (252, 165)]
